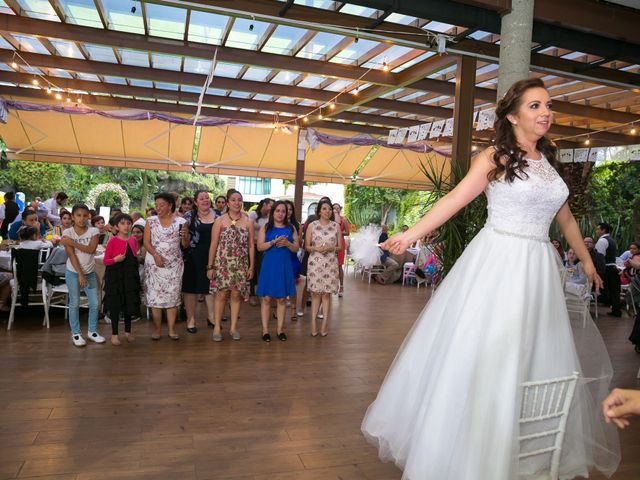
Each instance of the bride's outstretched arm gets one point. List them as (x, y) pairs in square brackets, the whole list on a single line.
[(570, 230), (469, 188)]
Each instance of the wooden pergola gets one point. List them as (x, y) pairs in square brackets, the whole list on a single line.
[(367, 66)]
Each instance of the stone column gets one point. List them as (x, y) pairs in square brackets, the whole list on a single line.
[(515, 44)]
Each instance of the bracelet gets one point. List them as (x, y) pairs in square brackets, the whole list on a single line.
[(210, 267)]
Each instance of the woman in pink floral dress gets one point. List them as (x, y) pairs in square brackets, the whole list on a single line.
[(230, 266), (323, 241), (163, 265)]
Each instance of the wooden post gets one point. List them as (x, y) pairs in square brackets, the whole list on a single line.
[(463, 113), (299, 185)]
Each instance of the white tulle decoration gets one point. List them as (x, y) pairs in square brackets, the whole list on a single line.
[(364, 246)]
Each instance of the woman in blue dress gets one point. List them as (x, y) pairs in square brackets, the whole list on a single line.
[(277, 239)]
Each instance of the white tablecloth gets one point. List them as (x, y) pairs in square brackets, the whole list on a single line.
[(5, 260)]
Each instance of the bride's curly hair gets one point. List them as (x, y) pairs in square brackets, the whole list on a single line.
[(505, 142)]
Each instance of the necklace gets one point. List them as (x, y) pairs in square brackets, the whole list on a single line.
[(234, 220)]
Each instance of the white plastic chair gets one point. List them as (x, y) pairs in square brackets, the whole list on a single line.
[(374, 270), (408, 272), (547, 402)]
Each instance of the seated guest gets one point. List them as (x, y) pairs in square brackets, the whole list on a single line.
[(186, 205), (29, 218), (598, 258), (65, 222), (558, 246), (137, 218), (9, 211), (53, 206), (393, 267), (384, 236), (632, 265), (575, 274), (99, 223), (29, 239)]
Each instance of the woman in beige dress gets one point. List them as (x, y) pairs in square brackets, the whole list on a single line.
[(323, 241)]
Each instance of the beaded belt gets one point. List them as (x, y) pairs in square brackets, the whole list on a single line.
[(519, 235)]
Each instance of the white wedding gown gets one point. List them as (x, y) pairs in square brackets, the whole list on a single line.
[(448, 408)]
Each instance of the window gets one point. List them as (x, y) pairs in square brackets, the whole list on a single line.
[(254, 186)]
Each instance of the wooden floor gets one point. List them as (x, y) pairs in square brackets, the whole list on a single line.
[(233, 410)]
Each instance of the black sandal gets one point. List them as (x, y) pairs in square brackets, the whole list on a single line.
[(266, 337), (282, 337)]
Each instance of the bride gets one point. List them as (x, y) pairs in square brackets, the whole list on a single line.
[(449, 405)]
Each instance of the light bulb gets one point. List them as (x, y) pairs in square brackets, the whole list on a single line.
[(385, 67), (79, 100), (35, 81), (68, 100), (305, 119), (295, 127), (320, 116), (58, 96), (587, 142), (633, 131), (332, 106), (48, 91), (355, 93), (14, 65)]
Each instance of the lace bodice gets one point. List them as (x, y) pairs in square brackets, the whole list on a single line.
[(526, 207)]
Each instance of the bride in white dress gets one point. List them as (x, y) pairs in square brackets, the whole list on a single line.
[(449, 406)]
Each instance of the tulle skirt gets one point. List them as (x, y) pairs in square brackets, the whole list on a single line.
[(450, 403)]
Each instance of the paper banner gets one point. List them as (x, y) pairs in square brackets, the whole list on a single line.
[(413, 134), (634, 153), (486, 119), (448, 128), (597, 154), (566, 155), (436, 129), (401, 134), (424, 130), (393, 135), (580, 155)]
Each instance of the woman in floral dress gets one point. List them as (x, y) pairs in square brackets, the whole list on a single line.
[(163, 235), (323, 240), (230, 266)]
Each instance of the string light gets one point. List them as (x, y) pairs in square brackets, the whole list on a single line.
[(320, 117), (14, 65), (35, 81), (633, 131), (58, 96), (295, 127), (79, 100), (305, 119), (68, 100), (332, 106), (48, 91), (587, 141), (385, 67)]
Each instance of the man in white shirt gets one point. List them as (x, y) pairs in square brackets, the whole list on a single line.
[(53, 206), (607, 247)]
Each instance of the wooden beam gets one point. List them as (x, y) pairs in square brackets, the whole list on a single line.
[(348, 101), (43, 28), (326, 20), (463, 113), (187, 110)]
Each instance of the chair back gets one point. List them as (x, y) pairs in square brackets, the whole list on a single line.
[(544, 412)]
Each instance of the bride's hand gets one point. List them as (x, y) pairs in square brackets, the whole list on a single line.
[(396, 244), (593, 277)]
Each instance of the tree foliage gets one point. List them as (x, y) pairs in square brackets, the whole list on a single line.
[(364, 205), (44, 179), (615, 198)]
